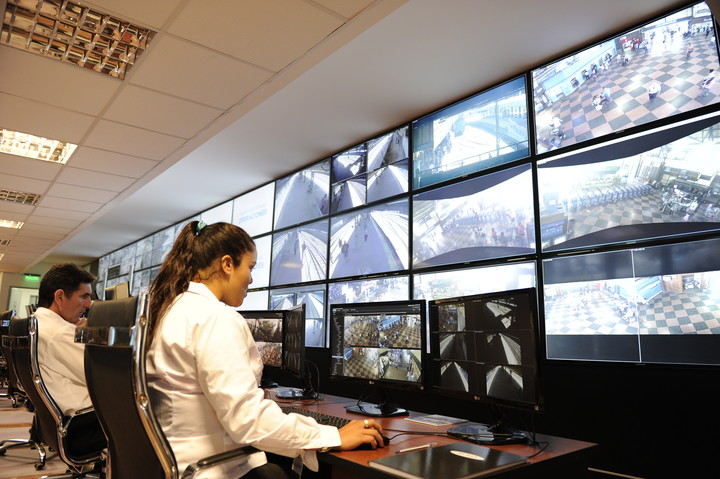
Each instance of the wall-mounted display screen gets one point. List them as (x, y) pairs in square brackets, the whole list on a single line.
[(388, 165), (300, 254), (664, 183), (219, 214), (302, 196), (255, 300), (647, 305), (393, 288), (253, 211), (486, 217), (261, 271), (483, 131), (313, 297), (651, 72), (371, 240), (466, 282)]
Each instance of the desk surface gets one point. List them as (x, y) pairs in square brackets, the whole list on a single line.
[(562, 457)]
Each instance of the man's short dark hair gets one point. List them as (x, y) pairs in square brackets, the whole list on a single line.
[(65, 276)]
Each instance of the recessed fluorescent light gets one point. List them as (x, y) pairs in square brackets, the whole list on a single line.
[(11, 224), (74, 33), (19, 197), (37, 147)]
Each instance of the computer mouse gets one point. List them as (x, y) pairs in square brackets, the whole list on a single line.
[(368, 447)]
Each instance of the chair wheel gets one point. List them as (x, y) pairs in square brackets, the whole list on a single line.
[(39, 466)]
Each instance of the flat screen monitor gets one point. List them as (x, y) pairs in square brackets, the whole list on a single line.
[(387, 165), (381, 228), (379, 344), (313, 297), (486, 348), (651, 305), (654, 71), (390, 288), (267, 332), (253, 211), (303, 196), (299, 255), (485, 217), (118, 291), (480, 132), (661, 183), (293, 357)]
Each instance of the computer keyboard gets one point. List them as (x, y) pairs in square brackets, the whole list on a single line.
[(321, 418)]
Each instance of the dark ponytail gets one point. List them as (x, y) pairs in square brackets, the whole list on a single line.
[(197, 247)]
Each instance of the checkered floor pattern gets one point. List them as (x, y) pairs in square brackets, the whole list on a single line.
[(679, 77)]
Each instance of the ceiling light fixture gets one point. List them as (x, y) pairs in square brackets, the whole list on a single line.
[(11, 224), (19, 197), (37, 147), (75, 34)]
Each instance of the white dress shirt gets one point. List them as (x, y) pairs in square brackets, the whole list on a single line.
[(203, 371), (62, 362)]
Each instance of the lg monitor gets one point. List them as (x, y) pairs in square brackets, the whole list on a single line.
[(379, 344)]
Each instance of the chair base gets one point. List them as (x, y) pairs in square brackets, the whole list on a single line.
[(13, 443)]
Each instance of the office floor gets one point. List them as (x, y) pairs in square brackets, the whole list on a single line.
[(19, 463)]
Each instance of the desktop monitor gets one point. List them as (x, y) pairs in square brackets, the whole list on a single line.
[(485, 348), (293, 356), (118, 291), (266, 329), (380, 344), (5, 318)]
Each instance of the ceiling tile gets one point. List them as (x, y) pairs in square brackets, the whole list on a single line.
[(151, 14), (267, 34), (159, 112), (190, 71), (61, 213), (41, 119), (26, 185), (60, 84), (80, 177), (51, 221), (47, 231), (28, 167), (110, 162), (134, 141), (62, 190), (69, 204), (18, 211), (346, 8)]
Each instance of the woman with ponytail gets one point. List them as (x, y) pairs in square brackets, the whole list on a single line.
[(204, 368)]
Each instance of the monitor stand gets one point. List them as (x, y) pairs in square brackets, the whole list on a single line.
[(385, 408)]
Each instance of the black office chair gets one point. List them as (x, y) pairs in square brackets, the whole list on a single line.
[(16, 393), (8, 378), (115, 373), (56, 431)]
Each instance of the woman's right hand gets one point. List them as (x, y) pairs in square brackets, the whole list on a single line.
[(357, 433)]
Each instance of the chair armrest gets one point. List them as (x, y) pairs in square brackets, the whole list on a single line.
[(217, 459)]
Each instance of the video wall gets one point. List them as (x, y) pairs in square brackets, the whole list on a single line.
[(593, 178)]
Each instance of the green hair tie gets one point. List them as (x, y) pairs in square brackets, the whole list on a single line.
[(199, 227)]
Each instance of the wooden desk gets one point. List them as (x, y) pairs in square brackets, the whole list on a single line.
[(563, 458)]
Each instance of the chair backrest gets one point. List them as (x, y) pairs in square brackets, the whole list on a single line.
[(115, 373), (18, 344)]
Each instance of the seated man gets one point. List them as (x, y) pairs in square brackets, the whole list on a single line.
[(64, 296)]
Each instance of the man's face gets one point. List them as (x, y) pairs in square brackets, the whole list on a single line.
[(72, 307)]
